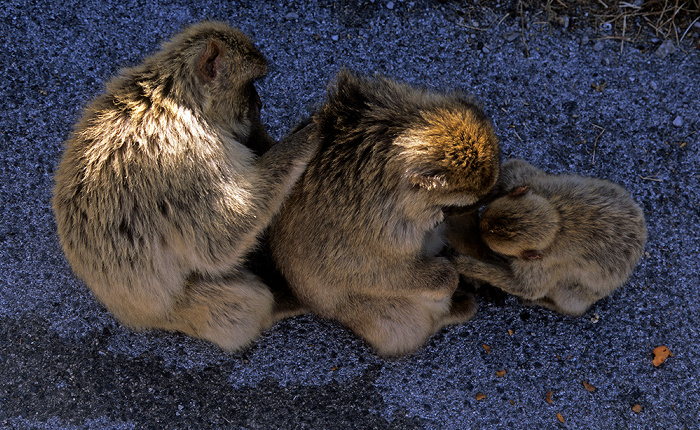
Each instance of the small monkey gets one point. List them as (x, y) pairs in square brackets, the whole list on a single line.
[(359, 236), (569, 240), (160, 195)]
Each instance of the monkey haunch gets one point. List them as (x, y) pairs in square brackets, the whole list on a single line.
[(570, 240), (160, 194), (358, 237)]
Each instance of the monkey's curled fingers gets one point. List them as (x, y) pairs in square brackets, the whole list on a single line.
[(464, 263)]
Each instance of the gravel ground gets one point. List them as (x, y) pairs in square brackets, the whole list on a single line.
[(566, 99)]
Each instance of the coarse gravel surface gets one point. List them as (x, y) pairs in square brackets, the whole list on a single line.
[(565, 99)]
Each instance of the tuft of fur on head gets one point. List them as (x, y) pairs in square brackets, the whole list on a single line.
[(457, 148), (520, 224)]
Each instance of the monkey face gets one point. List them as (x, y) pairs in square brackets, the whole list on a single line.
[(227, 67), (517, 224)]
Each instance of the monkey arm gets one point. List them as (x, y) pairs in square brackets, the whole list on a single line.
[(280, 167), (277, 170), (499, 275)]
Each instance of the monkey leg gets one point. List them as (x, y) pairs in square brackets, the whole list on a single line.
[(393, 325), (567, 300), (229, 311), (286, 304), (398, 319), (462, 309)]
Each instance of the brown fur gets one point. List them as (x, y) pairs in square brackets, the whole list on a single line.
[(571, 240), (358, 237), (160, 195)]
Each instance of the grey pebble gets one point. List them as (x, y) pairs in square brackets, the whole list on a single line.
[(667, 47), (678, 121), (563, 21), (598, 46), (335, 37), (511, 36), (390, 5), (653, 85), (292, 16)]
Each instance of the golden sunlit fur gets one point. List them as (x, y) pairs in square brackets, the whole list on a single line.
[(160, 194)]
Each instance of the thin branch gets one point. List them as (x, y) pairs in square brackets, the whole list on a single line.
[(595, 142), (689, 27)]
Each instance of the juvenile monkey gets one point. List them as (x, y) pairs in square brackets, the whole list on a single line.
[(357, 239), (160, 194), (570, 240)]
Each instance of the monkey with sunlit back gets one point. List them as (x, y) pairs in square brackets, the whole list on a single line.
[(162, 190), (568, 240), (359, 237)]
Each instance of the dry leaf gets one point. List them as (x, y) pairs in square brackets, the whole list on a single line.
[(548, 397), (487, 348), (510, 332), (599, 87), (480, 396), (560, 417), (661, 353), (501, 373), (588, 386), (637, 408)]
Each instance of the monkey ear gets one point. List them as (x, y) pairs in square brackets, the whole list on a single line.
[(531, 254), (428, 181), (519, 191), (209, 62)]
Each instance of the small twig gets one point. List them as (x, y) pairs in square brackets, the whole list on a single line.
[(503, 19), (518, 136), (613, 38), (663, 11), (656, 29), (689, 27), (624, 27), (650, 178), (595, 142), (471, 28), (633, 6), (522, 29)]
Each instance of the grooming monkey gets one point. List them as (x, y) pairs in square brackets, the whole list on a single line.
[(569, 240), (160, 194), (359, 235)]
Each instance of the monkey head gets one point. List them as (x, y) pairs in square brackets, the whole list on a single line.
[(520, 224), (211, 69), (453, 157)]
